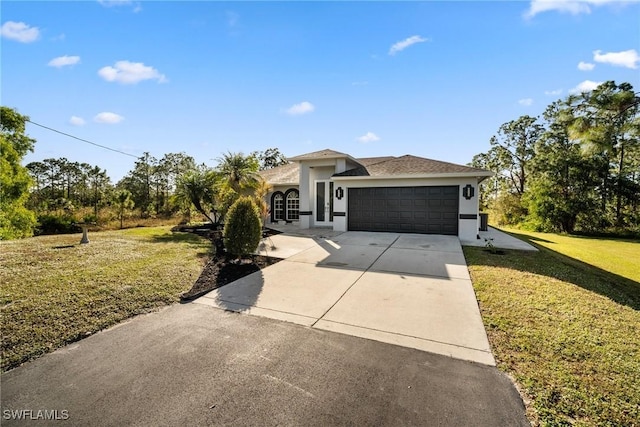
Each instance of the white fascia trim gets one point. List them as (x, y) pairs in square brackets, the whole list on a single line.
[(283, 184), (410, 176)]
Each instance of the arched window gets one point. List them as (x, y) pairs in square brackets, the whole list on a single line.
[(292, 201), (277, 206)]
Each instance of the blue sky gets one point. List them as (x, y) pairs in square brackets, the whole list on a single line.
[(433, 79)]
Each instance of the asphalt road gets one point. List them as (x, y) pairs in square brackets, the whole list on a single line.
[(193, 365)]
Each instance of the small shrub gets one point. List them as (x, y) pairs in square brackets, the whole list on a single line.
[(242, 230), (507, 209), (90, 218), (56, 224)]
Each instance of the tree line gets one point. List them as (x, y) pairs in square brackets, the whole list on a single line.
[(574, 169), (51, 195)]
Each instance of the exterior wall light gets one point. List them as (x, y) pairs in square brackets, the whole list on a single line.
[(339, 193), (468, 191)]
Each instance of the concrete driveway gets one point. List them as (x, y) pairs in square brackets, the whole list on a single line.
[(406, 289)]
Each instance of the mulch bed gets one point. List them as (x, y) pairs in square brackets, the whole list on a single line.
[(223, 269)]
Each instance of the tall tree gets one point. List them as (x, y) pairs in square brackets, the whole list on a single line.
[(562, 178), (100, 184), (513, 148), (166, 174), (270, 158), (607, 122), (139, 182), (15, 219), (124, 203)]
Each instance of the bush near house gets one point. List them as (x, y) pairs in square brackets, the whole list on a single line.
[(242, 229)]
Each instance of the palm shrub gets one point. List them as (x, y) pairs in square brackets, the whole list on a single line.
[(242, 229)]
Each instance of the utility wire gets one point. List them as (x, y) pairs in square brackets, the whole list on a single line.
[(83, 140)]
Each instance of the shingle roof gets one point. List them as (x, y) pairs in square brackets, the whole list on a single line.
[(371, 166), (410, 165), (284, 174), (322, 154)]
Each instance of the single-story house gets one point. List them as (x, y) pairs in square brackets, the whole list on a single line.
[(395, 194)]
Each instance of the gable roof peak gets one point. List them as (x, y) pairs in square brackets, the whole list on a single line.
[(322, 154)]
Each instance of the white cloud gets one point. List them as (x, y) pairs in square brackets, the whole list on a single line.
[(525, 101), (107, 117), (627, 58), (574, 7), (111, 3), (20, 31), (77, 121), (368, 137), (403, 44), (301, 108), (555, 92), (585, 66), (585, 86), (232, 18), (62, 61), (137, 7), (126, 72)]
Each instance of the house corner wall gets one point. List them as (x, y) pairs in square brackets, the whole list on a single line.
[(468, 221), (339, 207), (305, 198)]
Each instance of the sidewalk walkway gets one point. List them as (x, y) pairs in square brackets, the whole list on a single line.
[(500, 240)]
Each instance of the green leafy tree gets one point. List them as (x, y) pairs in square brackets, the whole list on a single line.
[(270, 158), (513, 148), (100, 185), (124, 203), (168, 171), (607, 123), (242, 230), (15, 219), (139, 182), (563, 177), (198, 187), (240, 172)]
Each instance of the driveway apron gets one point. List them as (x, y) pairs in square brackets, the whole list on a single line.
[(405, 289)]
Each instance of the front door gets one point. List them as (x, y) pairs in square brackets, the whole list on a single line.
[(324, 203)]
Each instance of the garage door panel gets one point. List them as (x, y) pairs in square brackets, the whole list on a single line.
[(404, 209)]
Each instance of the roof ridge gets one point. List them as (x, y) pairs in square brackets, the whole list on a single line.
[(382, 160)]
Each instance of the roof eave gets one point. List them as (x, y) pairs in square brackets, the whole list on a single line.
[(478, 175), (332, 157), (281, 184)]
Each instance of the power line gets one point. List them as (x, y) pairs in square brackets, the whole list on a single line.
[(83, 140)]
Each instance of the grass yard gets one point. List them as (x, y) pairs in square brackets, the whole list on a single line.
[(620, 256), (565, 324), (56, 291)]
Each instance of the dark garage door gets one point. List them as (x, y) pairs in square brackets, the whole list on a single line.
[(427, 210)]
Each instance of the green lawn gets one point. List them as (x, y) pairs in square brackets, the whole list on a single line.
[(565, 324), (619, 256), (56, 291)]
